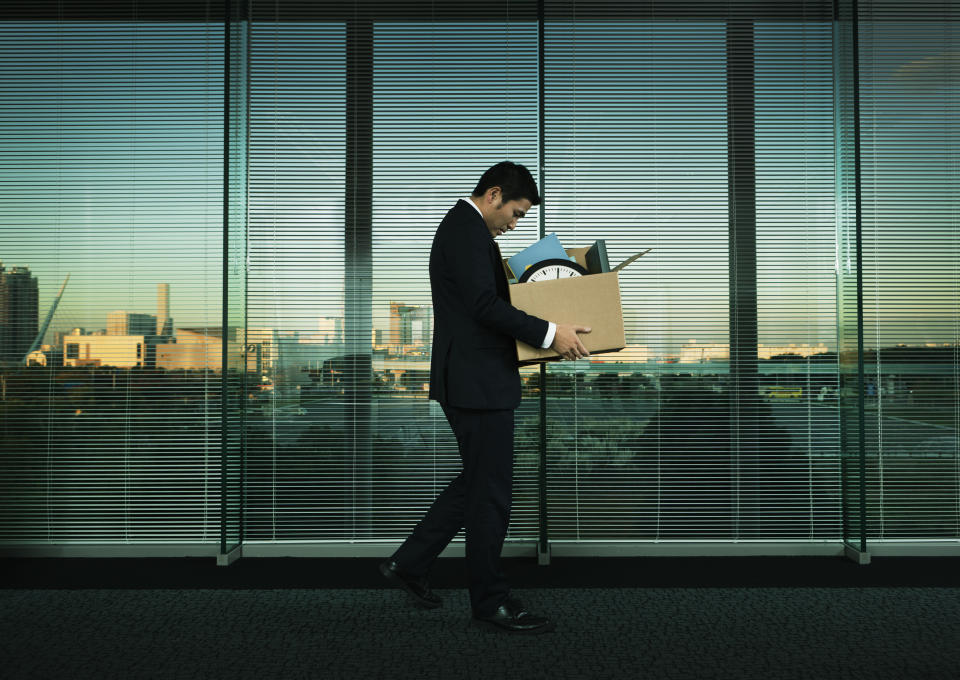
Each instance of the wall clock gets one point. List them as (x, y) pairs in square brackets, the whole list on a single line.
[(553, 268)]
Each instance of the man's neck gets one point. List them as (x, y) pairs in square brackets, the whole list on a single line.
[(472, 200)]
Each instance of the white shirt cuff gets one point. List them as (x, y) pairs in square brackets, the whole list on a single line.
[(551, 332)]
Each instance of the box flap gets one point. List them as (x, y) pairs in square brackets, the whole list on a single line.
[(630, 259)]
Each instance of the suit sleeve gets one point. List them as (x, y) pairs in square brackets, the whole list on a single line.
[(472, 270)]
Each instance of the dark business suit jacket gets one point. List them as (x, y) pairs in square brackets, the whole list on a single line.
[(474, 361)]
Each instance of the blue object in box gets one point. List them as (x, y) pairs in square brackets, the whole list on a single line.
[(546, 248)]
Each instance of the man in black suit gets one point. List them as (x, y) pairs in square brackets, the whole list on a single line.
[(474, 377)]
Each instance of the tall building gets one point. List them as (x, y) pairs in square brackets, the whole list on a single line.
[(19, 312), (131, 323), (164, 322), (409, 325)]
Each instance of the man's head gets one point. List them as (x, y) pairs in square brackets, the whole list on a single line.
[(504, 194)]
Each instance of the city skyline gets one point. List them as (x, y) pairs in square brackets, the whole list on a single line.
[(66, 319), (131, 339)]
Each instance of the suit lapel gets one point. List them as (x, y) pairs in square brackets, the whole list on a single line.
[(501, 276)]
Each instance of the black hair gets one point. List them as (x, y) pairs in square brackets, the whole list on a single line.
[(514, 180)]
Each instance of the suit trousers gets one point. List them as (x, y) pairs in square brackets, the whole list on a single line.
[(477, 500)]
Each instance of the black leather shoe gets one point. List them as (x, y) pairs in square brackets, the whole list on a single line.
[(417, 587), (511, 617)]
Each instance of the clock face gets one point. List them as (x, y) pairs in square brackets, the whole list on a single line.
[(546, 270)]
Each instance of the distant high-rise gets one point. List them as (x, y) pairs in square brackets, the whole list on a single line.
[(19, 312), (409, 324), (164, 322), (130, 323)]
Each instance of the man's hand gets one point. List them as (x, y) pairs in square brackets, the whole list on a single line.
[(567, 343)]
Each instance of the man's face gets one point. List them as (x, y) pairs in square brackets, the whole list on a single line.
[(504, 216)]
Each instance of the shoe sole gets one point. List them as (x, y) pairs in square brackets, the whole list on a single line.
[(397, 581), (490, 626)]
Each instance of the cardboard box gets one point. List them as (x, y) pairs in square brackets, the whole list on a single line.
[(592, 300)]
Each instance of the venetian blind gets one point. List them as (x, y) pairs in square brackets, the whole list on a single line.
[(703, 131), (111, 169), (299, 451), (368, 123), (909, 79)]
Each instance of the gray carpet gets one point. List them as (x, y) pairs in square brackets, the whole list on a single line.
[(657, 633)]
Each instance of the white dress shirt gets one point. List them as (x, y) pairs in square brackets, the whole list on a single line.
[(552, 328)]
